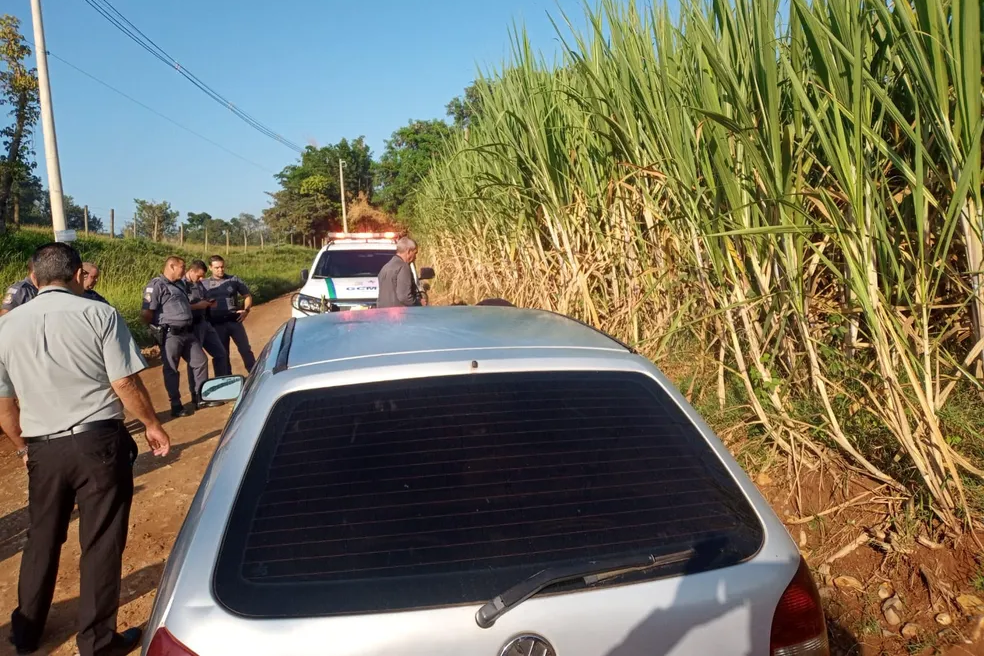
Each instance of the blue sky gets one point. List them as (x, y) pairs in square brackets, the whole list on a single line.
[(313, 70)]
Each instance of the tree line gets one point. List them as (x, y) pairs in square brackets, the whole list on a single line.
[(306, 204)]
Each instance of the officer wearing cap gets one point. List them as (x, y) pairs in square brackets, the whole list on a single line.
[(166, 307), (207, 337), (68, 368), (89, 281), (20, 292), (226, 317)]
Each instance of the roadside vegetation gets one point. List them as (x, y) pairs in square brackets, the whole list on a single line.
[(126, 265), (798, 205)]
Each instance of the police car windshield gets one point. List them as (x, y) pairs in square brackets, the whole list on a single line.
[(351, 264)]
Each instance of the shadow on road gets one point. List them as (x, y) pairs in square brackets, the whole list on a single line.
[(61, 624), (13, 530), (13, 526), (148, 462), (136, 427)]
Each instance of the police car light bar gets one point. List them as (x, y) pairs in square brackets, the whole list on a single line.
[(363, 235)]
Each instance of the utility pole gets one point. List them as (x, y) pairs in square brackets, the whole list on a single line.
[(181, 235), (112, 223), (227, 242), (245, 241), (85, 219), (206, 239), (341, 183), (62, 233)]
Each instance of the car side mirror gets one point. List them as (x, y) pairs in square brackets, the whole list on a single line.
[(304, 276), (225, 388), (426, 273)]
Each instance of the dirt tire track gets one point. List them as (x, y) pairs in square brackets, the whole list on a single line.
[(164, 490)]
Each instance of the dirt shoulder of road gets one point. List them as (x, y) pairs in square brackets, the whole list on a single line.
[(928, 574)]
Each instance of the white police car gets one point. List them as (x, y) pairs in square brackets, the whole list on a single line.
[(344, 274)]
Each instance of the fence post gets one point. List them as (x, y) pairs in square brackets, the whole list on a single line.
[(206, 240), (85, 219), (181, 235), (112, 223), (245, 241), (261, 241), (227, 242)]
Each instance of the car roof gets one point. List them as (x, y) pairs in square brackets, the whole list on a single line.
[(345, 335)]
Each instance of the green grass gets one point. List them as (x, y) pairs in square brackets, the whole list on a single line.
[(977, 581), (126, 265)]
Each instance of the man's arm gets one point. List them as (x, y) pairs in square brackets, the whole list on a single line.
[(13, 298), (123, 362), (135, 398), (10, 411), (247, 295), (10, 422), (404, 287), (151, 303)]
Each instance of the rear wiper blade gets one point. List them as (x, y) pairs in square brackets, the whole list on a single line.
[(591, 572)]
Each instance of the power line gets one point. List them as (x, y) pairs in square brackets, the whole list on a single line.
[(154, 111), (124, 25)]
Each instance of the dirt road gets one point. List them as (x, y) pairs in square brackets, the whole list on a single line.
[(164, 489)]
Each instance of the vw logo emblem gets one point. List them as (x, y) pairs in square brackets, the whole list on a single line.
[(528, 645)]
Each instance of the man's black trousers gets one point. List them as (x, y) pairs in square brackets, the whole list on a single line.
[(94, 469)]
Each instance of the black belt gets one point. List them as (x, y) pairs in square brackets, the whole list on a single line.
[(75, 430), (179, 330), (224, 318)]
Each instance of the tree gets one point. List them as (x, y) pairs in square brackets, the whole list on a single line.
[(19, 89), (465, 108), (75, 217), (409, 156), (309, 200), (155, 220), (246, 226), (29, 199), (289, 214)]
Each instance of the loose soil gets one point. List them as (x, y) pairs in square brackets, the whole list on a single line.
[(927, 580)]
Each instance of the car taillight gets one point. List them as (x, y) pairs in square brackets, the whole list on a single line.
[(165, 644), (798, 627)]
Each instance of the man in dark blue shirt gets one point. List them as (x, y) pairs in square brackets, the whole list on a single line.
[(226, 316), (20, 292), (209, 339), (90, 278)]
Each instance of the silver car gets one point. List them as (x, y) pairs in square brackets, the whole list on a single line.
[(474, 480)]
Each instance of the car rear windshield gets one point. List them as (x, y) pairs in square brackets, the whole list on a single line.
[(420, 493), (352, 264)]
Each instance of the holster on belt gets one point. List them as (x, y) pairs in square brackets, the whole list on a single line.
[(158, 333)]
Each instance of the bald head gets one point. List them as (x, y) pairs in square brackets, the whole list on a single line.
[(90, 276)]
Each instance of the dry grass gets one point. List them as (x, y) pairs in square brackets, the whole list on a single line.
[(805, 204)]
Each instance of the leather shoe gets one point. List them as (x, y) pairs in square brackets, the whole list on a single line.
[(123, 643), (201, 405), (179, 411), (23, 650)]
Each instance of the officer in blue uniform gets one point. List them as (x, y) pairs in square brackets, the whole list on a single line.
[(90, 278), (20, 292), (167, 310), (226, 317), (207, 337)]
